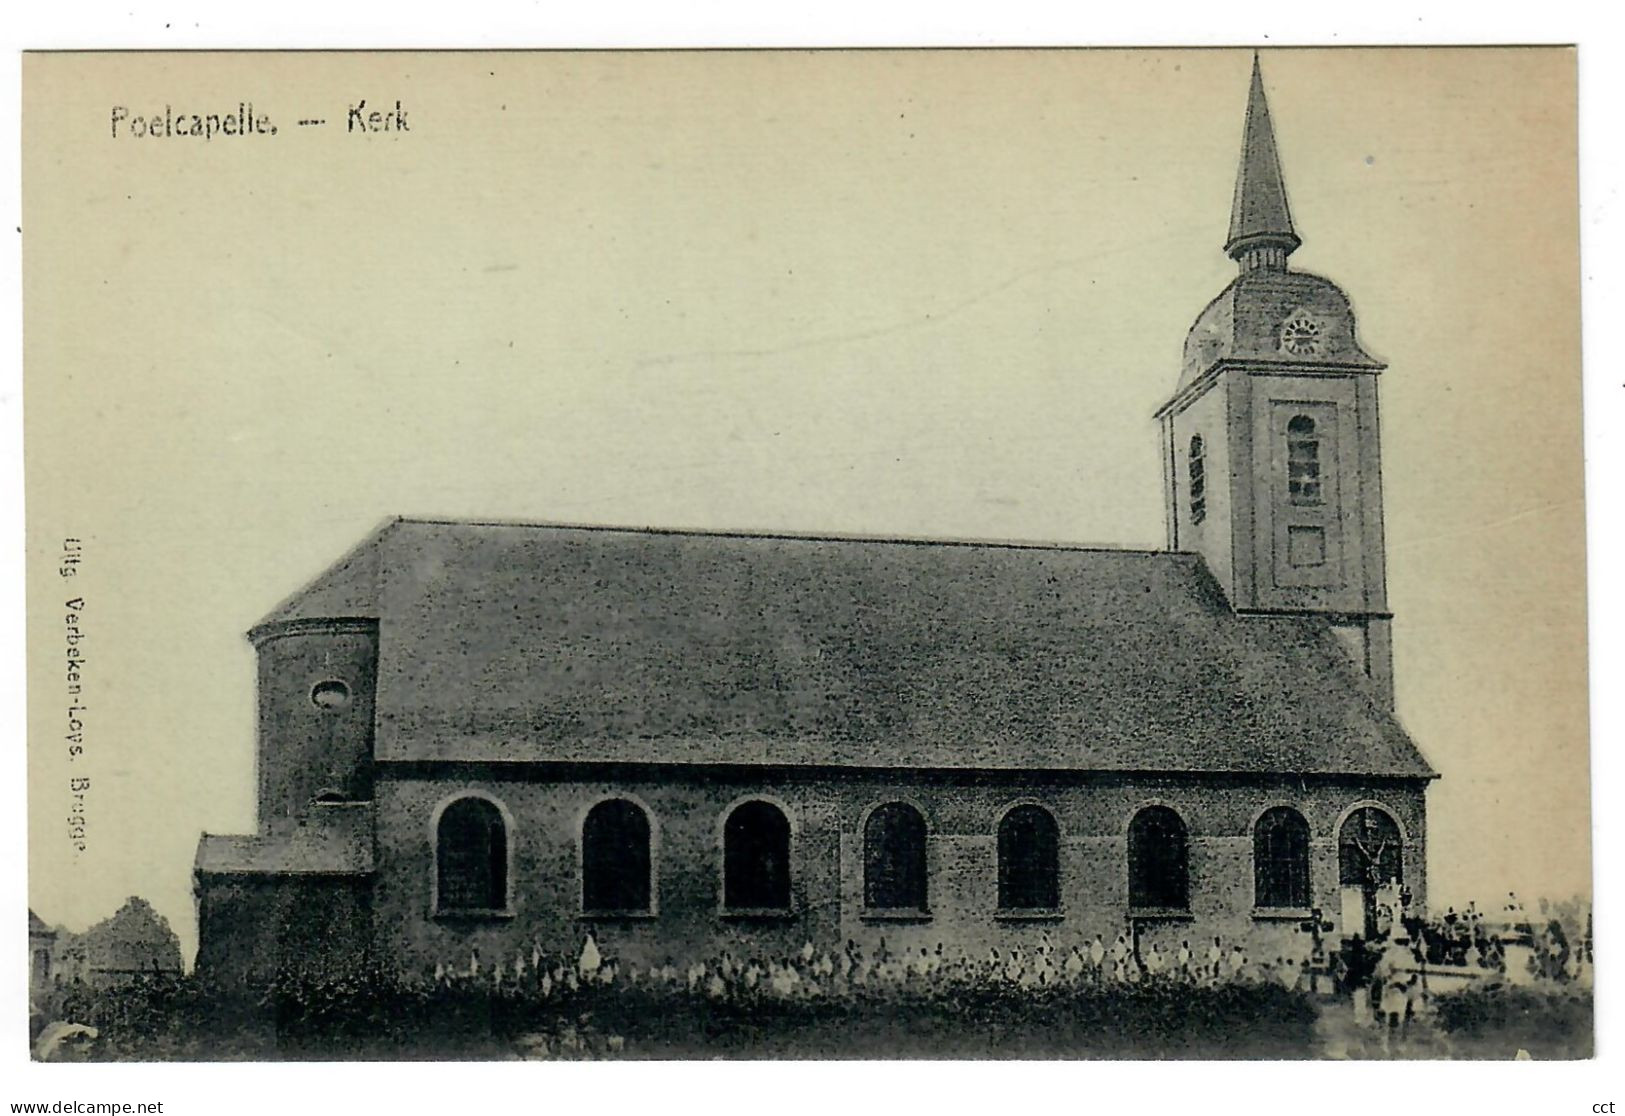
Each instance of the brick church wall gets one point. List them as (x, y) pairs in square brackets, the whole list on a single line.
[(826, 815), (249, 926)]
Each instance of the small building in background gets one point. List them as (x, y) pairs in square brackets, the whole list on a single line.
[(134, 942), (41, 948)]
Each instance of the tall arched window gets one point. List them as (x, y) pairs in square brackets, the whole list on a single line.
[(1302, 460), (894, 859), (756, 858), (1369, 849), (615, 864), (1198, 479), (471, 857), (1281, 859), (1029, 860), (1370, 854), (1158, 860)]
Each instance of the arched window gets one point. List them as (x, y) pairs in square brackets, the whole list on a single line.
[(471, 857), (615, 874), (1369, 849), (1158, 860), (894, 859), (756, 858), (1302, 460), (1029, 860), (1281, 859), (1198, 475)]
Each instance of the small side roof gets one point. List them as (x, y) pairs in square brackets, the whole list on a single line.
[(336, 841)]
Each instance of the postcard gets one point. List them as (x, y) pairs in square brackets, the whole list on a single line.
[(805, 555)]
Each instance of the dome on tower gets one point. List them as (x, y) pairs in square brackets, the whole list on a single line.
[(1270, 313), (1290, 317)]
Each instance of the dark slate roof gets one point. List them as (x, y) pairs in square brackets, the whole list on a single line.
[(1244, 324), (511, 642)]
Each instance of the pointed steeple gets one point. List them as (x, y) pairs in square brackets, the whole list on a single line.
[(1261, 232)]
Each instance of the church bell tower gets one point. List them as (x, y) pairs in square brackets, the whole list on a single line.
[(1271, 449)]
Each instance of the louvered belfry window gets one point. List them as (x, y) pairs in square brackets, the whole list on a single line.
[(1303, 460), (1198, 480)]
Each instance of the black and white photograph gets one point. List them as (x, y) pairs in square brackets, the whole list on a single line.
[(841, 555)]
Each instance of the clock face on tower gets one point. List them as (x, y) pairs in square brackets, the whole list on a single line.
[(1301, 336)]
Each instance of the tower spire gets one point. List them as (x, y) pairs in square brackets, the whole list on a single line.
[(1261, 232)]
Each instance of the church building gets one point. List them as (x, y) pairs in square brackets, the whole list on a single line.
[(478, 736)]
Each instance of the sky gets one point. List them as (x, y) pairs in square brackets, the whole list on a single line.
[(881, 293)]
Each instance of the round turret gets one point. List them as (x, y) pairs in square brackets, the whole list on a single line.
[(316, 683)]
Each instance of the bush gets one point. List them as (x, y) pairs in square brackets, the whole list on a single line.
[(1548, 1021), (369, 1013)]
